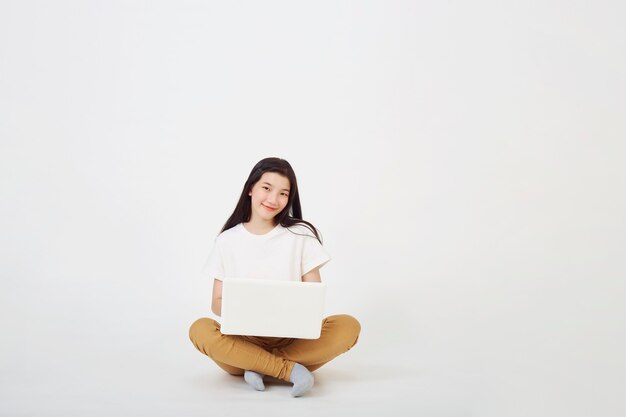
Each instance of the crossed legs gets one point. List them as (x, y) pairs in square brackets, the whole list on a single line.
[(236, 354)]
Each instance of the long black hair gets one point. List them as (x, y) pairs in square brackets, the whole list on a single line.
[(292, 213)]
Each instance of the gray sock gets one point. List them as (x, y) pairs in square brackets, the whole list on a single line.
[(302, 380), (255, 379)]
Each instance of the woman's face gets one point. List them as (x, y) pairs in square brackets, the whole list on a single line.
[(269, 195)]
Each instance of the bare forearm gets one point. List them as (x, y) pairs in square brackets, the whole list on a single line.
[(217, 306)]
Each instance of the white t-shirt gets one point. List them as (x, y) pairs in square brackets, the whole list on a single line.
[(281, 254)]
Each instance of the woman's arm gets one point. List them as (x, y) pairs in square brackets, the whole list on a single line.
[(216, 304), (312, 276)]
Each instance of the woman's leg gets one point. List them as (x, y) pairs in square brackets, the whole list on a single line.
[(235, 352), (339, 334), (233, 370)]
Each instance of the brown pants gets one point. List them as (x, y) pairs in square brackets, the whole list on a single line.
[(274, 356)]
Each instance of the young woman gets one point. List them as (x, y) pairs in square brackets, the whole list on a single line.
[(266, 238)]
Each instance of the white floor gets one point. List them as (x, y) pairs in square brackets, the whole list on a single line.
[(75, 365), (57, 362), (79, 351), (191, 385), (47, 372)]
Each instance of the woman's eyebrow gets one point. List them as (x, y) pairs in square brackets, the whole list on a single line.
[(265, 182)]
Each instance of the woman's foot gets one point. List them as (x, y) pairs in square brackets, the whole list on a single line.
[(255, 379), (302, 380)]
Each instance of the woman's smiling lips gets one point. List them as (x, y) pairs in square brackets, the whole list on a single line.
[(268, 208)]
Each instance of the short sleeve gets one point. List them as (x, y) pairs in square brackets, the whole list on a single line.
[(214, 266), (313, 254)]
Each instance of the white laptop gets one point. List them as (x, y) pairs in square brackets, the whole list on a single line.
[(260, 307)]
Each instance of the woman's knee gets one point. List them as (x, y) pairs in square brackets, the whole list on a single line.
[(202, 326), (202, 334), (350, 328)]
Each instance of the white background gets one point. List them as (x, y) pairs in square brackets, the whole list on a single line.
[(464, 162)]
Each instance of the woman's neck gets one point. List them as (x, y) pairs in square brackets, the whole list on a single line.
[(259, 228)]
